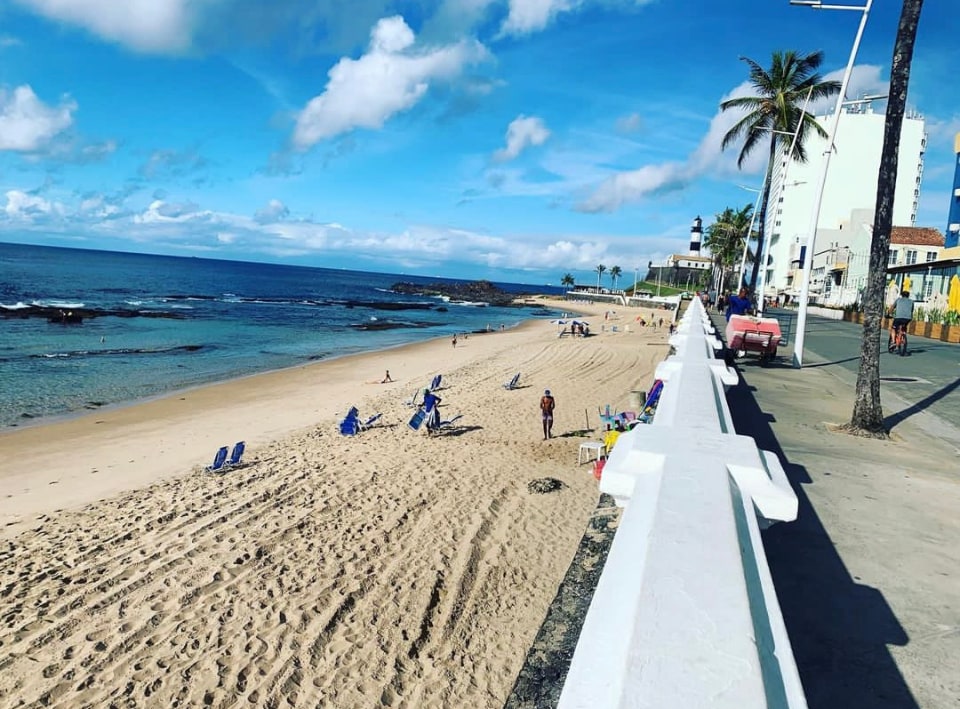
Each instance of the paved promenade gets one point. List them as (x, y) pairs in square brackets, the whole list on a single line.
[(868, 577)]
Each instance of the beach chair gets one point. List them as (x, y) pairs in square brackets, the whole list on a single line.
[(369, 422), (218, 460), (235, 455), (435, 384), (446, 424), (350, 426), (607, 418), (413, 400), (512, 384)]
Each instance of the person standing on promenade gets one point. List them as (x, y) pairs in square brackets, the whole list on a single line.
[(547, 404), (738, 304)]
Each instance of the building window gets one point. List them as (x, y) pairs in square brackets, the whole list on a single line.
[(928, 290), (892, 257), (931, 256), (911, 257)]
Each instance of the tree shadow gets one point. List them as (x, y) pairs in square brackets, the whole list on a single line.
[(894, 419), (839, 628)]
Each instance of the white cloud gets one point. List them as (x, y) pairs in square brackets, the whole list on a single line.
[(708, 157), (27, 207), (391, 77), (634, 185), (275, 211), (27, 124), (527, 16), (160, 211), (522, 132), (187, 228), (144, 25)]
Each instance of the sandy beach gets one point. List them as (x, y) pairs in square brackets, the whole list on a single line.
[(391, 568)]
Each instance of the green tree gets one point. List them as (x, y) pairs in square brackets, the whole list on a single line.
[(773, 116), (726, 238), (867, 417), (599, 269), (567, 280), (615, 273)]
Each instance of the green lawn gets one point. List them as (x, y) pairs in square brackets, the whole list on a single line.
[(664, 289)]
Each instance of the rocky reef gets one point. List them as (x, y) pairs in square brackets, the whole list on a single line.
[(471, 292), (76, 316)]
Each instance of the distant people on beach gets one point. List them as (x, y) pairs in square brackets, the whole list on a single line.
[(454, 341), (547, 405), (387, 378)]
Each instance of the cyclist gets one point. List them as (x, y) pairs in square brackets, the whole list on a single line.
[(902, 314)]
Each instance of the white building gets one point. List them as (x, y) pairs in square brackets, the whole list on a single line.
[(839, 271), (851, 186)]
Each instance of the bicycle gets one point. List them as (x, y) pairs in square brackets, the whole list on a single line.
[(898, 340)]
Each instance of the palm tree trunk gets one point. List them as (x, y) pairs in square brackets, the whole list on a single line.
[(867, 412), (762, 218)]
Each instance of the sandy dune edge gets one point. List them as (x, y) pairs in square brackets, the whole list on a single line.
[(387, 569)]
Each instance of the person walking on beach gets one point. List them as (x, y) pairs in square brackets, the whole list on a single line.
[(454, 341), (387, 378), (547, 404)]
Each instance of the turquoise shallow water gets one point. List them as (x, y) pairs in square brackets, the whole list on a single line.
[(221, 319)]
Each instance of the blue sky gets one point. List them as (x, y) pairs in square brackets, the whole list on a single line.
[(514, 140)]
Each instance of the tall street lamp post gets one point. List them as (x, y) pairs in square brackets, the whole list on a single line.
[(818, 195), (753, 217)]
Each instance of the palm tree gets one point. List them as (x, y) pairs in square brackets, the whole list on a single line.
[(615, 273), (726, 239), (775, 114), (567, 280), (599, 269), (867, 417)]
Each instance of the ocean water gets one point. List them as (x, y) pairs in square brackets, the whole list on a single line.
[(182, 322)]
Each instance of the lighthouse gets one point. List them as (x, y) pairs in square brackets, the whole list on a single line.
[(953, 221), (696, 234)]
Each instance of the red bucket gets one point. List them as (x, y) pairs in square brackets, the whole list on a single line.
[(598, 467)]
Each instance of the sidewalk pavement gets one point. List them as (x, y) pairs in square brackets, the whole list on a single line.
[(868, 577)]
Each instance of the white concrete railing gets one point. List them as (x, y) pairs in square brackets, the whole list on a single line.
[(685, 613)]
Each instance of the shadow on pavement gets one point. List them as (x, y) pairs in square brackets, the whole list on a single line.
[(839, 629), (901, 416)]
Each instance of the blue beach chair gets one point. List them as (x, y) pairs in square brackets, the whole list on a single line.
[(350, 426), (236, 455), (218, 460)]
